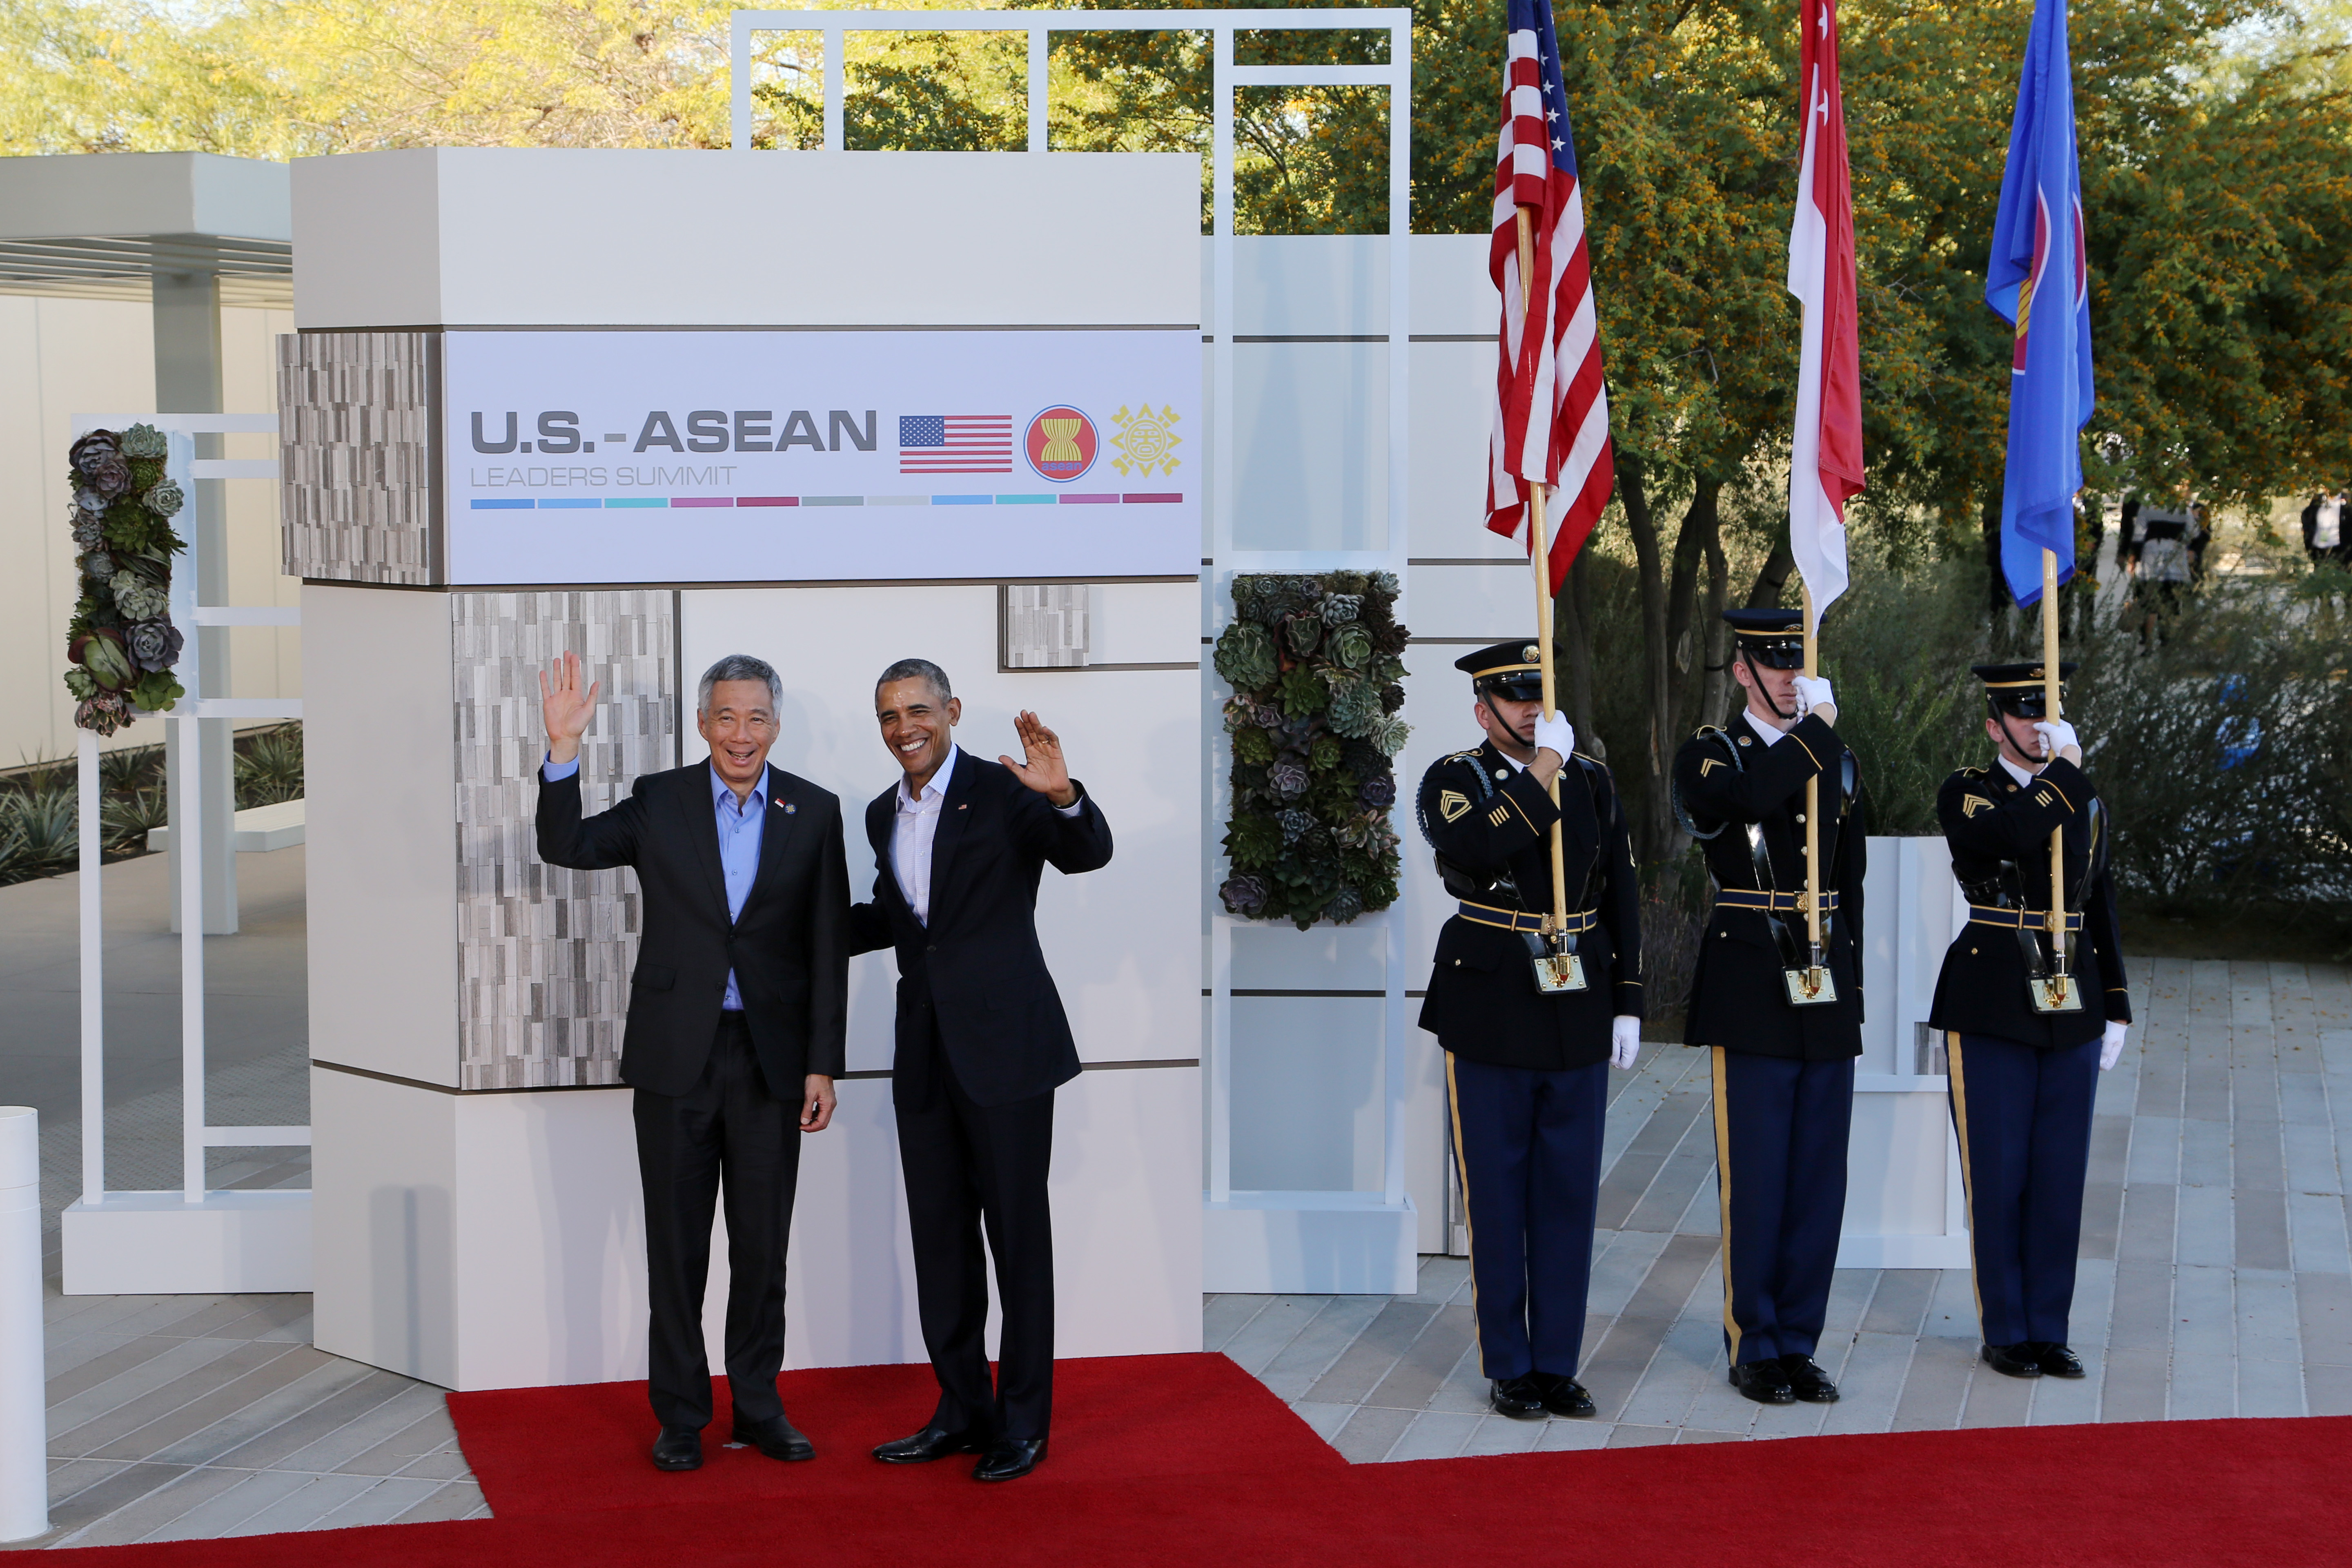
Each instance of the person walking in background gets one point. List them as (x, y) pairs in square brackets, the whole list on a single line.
[(737, 1021), (959, 843), (2024, 1054), (2323, 529), (1783, 1054), (2159, 563), (1525, 1068)]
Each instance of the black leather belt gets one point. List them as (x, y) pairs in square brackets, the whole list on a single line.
[(2015, 920), (1759, 899), (1520, 920)]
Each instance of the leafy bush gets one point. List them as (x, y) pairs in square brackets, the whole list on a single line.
[(37, 833), (269, 767)]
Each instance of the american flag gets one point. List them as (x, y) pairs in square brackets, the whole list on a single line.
[(955, 443), (1551, 411)]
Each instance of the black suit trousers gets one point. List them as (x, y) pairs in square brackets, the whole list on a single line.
[(729, 1123), (970, 1167)]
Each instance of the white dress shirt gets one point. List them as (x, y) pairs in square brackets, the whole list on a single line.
[(1771, 734), (918, 824), (2013, 771)]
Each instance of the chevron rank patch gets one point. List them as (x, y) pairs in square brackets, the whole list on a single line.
[(1452, 805), (1972, 803)]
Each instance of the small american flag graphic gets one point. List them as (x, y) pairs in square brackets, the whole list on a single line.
[(955, 443)]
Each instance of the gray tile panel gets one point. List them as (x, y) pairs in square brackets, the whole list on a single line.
[(356, 481)]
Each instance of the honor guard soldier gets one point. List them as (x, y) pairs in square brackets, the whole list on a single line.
[(1529, 1017), (2029, 1023), (1781, 1016)]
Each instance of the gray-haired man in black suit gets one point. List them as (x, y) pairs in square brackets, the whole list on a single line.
[(735, 1029)]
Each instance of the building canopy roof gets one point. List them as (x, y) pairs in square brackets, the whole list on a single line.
[(102, 225)]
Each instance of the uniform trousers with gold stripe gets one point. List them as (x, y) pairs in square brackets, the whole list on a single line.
[(1781, 1127), (2023, 1115), (1527, 1146)]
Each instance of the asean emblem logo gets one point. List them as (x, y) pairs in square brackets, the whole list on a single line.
[(1061, 444), (1145, 440)]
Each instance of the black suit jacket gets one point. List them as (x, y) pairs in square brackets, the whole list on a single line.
[(1492, 820), (789, 949), (976, 971), (1725, 781), (1987, 820)]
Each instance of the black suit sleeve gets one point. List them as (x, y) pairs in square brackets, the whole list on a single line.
[(869, 923), (830, 940), (1621, 904), (1482, 835), (1071, 845), (1979, 817), (2106, 933), (1718, 791), (595, 843), (1854, 845)]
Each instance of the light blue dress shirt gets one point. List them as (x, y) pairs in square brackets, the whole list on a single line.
[(741, 829)]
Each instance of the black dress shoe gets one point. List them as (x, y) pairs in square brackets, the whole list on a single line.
[(1562, 1395), (678, 1449), (1807, 1381), (777, 1437), (1520, 1398), (933, 1442), (2055, 1360), (2013, 1360), (1010, 1458), (1763, 1382)]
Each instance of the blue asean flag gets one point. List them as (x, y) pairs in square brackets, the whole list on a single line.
[(2038, 281)]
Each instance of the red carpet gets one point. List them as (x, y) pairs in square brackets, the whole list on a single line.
[(1182, 1460)]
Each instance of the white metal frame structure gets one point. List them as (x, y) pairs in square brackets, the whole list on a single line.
[(133, 1242), (1294, 1241)]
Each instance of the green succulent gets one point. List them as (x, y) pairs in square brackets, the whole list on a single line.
[(1302, 633), (1253, 746), (143, 441), (1302, 692), (1350, 646), (1355, 707), (1324, 755), (1246, 657)]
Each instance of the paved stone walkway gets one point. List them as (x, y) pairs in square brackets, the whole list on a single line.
[(2214, 1277)]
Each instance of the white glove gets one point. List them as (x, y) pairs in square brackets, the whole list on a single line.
[(2112, 1046), (2056, 736), (1555, 734), (1813, 691), (1624, 1041)]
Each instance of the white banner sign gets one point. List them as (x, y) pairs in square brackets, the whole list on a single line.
[(731, 457)]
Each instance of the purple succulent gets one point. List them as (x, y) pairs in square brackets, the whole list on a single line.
[(1379, 791), (1287, 779), (110, 476), (154, 644), (1243, 895), (105, 712), (92, 449)]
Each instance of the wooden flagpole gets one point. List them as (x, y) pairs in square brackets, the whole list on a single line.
[(2050, 699), (1813, 802), (1539, 552)]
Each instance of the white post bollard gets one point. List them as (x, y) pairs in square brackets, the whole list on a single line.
[(24, 1413)]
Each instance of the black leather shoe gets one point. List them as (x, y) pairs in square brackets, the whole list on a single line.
[(1807, 1381), (1562, 1395), (777, 1437), (2054, 1358), (1010, 1458), (2013, 1360), (1763, 1382), (933, 1442), (1520, 1398), (678, 1449)]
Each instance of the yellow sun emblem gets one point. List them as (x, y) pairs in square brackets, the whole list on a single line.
[(1145, 440)]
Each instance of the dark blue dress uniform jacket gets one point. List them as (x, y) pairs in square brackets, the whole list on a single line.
[(1987, 819), (1723, 780), (1483, 1004)]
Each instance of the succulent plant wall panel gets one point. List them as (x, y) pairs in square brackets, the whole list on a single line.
[(1316, 664), (543, 952), (354, 414), (121, 644)]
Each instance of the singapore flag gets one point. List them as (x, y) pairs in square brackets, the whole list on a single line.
[(1825, 459)]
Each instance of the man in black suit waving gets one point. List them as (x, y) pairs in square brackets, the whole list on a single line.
[(735, 1029), (959, 846)]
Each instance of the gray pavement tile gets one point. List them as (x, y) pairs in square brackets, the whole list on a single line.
[(1667, 1289), (381, 1503), (2205, 1314), (1701, 1435), (1870, 1384), (1501, 1435), (84, 1364), (1269, 1332), (2323, 1314), (1623, 1188), (2103, 1214), (1441, 1280), (1224, 1315), (2070, 1401), (457, 1500), (1900, 1303), (2111, 1137), (1952, 1307), (1434, 1435), (2270, 1388), (2136, 1387), (1687, 1171), (1994, 1399), (352, 1442), (1936, 1388), (173, 1491), (297, 1416), (2206, 1237), (1621, 1260), (1325, 1419), (1417, 1374), (1370, 1433), (70, 1478), (2327, 1389), (2315, 1226), (2146, 1234), (442, 1465), (1625, 1436), (1559, 1435), (1690, 1355), (2142, 1316), (1371, 1355), (149, 1437), (2267, 1330), (162, 1383), (302, 1508), (1324, 1336)]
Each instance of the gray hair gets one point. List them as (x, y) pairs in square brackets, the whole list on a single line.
[(917, 669), (740, 667)]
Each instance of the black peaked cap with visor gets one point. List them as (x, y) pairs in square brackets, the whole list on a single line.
[(2020, 689), (1773, 638), (1508, 669)]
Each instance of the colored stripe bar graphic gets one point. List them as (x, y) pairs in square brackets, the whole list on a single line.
[(1133, 499), (502, 506), (962, 500), (833, 500), (702, 501), (767, 500), (1089, 500), (574, 503), (898, 501), (616, 503), (1026, 501)]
